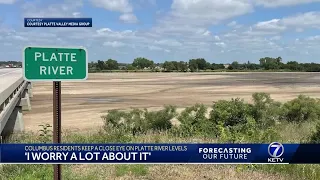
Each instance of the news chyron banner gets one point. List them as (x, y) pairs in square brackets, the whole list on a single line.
[(57, 22), (160, 153)]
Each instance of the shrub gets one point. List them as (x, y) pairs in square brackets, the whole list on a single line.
[(45, 133), (136, 122), (113, 118), (265, 110), (160, 120), (315, 137), (230, 113), (194, 122), (301, 109), (249, 132), (140, 121), (237, 121)]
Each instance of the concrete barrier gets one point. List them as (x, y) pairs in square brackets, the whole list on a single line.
[(14, 100)]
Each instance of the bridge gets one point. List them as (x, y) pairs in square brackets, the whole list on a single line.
[(15, 94)]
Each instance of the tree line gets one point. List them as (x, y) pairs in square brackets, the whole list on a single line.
[(195, 65), (15, 63), (200, 64)]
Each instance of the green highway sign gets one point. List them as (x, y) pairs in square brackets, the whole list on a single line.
[(55, 64)]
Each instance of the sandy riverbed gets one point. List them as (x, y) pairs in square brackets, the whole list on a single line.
[(84, 102)]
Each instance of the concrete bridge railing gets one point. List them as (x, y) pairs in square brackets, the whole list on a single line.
[(13, 100)]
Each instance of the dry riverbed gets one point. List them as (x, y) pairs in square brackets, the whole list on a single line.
[(84, 102)]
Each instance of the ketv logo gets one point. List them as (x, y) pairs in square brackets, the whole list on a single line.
[(275, 150)]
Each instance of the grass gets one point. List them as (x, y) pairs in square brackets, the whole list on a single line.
[(79, 172), (135, 170), (289, 132), (44, 172)]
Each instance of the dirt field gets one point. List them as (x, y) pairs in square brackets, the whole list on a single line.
[(84, 102)]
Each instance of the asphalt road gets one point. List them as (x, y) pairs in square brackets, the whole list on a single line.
[(9, 76), (10, 71)]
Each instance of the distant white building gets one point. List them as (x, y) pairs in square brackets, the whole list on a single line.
[(159, 68)]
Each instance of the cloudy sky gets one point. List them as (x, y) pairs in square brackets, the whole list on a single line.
[(220, 31)]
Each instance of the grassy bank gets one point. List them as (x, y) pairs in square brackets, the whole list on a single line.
[(229, 121), (97, 172)]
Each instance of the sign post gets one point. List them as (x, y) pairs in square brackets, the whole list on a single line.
[(56, 65), (57, 123)]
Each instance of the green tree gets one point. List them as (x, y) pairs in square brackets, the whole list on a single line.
[(101, 65), (217, 66), (253, 66), (175, 65), (208, 65), (168, 66), (92, 65), (182, 66), (111, 64), (278, 60), (202, 63), (142, 63), (193, 65), (197, 64), (234, 65), (130, 67), (311, 67), (269, 63), (301, 109), (294, 66)]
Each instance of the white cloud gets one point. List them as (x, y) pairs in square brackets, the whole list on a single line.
[(272, 25), (206, 33), (278, 3), (123, 6), (230, 34), (103, 30), (191, 18), (7, 1), (203, 12), (168, 42), (114, 5), (233, 23), (37, 9), (308, 19), (166, 28), (17, 37), (297, 22), (156, 48), (114, 44), (275, 38), (117, 35), (138, 43), (128, 18), (183, 32), (313, 38), (221, 44), (76, 14), (241, 42)]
